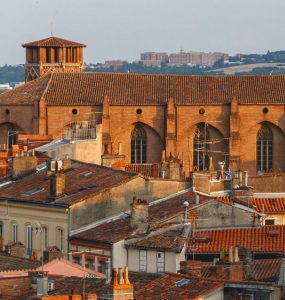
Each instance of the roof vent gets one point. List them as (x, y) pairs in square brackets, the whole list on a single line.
[(33, 191), (203, 239), (181, 282)]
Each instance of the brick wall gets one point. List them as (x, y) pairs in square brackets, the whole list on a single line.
[(16, 288)]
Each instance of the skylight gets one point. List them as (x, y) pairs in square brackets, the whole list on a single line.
[(33, 191), (181, 282)]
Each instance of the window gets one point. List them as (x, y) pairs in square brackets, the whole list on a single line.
[(14, 233), (142, 261), (138, 145), (45, 237), (29, 240), (160, 262), (60, 239), (270, 222), (1, 229), (264, 149), (201, 158)]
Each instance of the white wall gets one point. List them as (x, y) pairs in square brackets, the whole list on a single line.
[(119, 255), (172, 261)]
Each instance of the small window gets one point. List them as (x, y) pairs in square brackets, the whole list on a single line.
[(7, 111), (265, 110), (202, 111), (60, 239), (45, 237), (1, 228), (15, 233), (50, 286), (139, 111), (29, 240), (160, 262), (77, 260), (74, 111), (270, 222), (142, 261)]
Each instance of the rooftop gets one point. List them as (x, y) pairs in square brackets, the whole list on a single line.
[(148, 89), (177, 286), (269, 205), (262, 239), (82, 180), (161, 211), (13, 263), (53, 42)]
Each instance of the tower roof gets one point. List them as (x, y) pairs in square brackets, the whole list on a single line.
[(53, 42)]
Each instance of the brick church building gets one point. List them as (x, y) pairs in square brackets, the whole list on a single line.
[(236, 119)]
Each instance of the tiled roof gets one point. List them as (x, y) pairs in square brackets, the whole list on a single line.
[(82, 180), (148, 89), (262, 239), (172, 240), (147, 170), (267, 205), (168, 287), (53, 42), (26, 93), (119, 229), (264, 270), (67, 285), (13, 263)]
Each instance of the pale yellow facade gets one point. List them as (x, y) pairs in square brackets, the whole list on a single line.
[(16, 218)]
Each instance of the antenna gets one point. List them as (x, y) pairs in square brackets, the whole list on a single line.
[(51, 27)]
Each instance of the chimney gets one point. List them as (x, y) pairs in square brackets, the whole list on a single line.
[(139, 217), (122, 289), (40, 282), (236, 255), (231, 257), (23, 165), (196, 198), (66, 163), (57, 185)]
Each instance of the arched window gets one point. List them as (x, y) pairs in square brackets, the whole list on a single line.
[(201, 158), (138, 145), (264, 149)]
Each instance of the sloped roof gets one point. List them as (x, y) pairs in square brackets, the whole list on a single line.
[(267, 205), (13, 263), (167, 287), (264, 270), (26, 93), (82, 180), (53, 42), (262, 239), (149, 89)]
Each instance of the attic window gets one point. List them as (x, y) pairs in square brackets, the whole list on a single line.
[(86, 173), (33, 191), (181, 282)]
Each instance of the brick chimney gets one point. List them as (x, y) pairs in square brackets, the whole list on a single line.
[(122, 289), (23, 165), (57, 185), (139, 217)]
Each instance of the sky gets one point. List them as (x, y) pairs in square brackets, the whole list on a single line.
[(122, 29)]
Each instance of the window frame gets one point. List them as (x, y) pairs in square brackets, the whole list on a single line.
[(160, 265), (15, 232), (142, 260)]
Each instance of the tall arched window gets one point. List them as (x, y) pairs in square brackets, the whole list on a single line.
[(264, 149), (201, 158), (138, 145)]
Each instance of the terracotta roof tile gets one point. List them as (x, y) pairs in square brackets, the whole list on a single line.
[(147, 170), (26, 93), (13, 263), (82, 180), (53, 42), (264, 270), (167, 287), (262, 239), (267, 205), (149, 89), (159, 214)]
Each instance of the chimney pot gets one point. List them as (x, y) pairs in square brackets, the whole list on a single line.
[(121, 279)]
